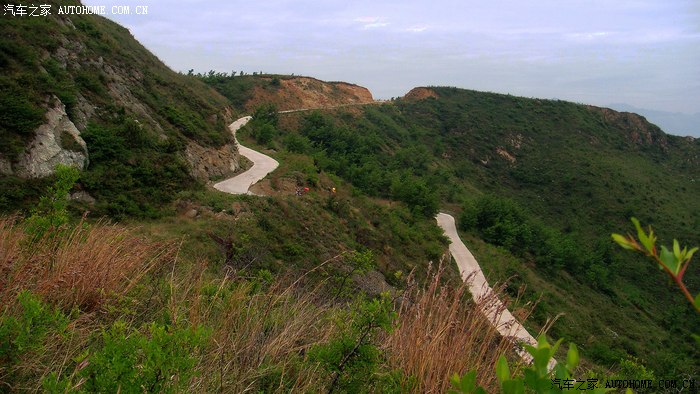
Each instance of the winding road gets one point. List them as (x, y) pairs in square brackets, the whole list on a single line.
[(494, 310), (262, 165)]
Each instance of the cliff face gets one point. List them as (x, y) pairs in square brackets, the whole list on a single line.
[(636, 128), (303, 92)]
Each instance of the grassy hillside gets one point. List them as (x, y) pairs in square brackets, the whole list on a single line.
[(135, 114), (272, 294), (544, 183)]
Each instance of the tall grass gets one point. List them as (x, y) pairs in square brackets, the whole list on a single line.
[(79, 266), (259, 327), (260, 341), (440, 332)]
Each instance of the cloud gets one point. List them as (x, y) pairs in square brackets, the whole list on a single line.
[(372, 22), (588, 36), (417, 29)]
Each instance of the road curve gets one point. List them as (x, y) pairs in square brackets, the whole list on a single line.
[(262, 165), (496, 312)]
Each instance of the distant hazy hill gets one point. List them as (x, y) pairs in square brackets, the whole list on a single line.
[(671, 122)]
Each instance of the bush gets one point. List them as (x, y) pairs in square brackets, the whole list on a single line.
[(539, 377), (352, 357), (503, 222), (27, 331), (19, 117), (130, 172), (51, 213), (160, 361), (297, 143)]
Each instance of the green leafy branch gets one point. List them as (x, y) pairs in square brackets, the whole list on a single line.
[(675, 262), (534, 378)]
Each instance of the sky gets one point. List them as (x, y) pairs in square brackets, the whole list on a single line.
[(644, 53)]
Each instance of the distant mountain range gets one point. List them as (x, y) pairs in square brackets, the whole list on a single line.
[(670, 122)]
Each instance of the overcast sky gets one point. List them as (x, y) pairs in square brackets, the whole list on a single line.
[(645, 53)]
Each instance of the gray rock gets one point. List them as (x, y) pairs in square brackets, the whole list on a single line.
[(5, 166), (51, 146), (83, 196)]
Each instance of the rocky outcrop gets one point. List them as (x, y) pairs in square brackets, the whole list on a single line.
[(5, 166), (207, 163), (505, 154), (55, 142), (637, 129), (420, 93)]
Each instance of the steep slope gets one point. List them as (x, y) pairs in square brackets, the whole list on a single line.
[(80, 90), (545, 182)]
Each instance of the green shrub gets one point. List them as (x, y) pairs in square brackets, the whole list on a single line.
[(130, 173), (297, 143), (631, 368), (19, 117), (501, 221), (352, 357), (51, 211), (536, 378), (27, 331), (161, 360)]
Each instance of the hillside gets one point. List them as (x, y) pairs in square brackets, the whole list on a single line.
[(286, 92), (552, 180), (80, 90)]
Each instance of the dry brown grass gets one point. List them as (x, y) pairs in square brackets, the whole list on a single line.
[(81, 266), (441, 332), (259, 337)]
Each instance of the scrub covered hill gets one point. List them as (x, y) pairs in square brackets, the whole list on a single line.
[(80, 90), (286, 92), (539, 186)]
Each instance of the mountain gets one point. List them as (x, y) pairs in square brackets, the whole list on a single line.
[(80, 90), (671, 122)]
